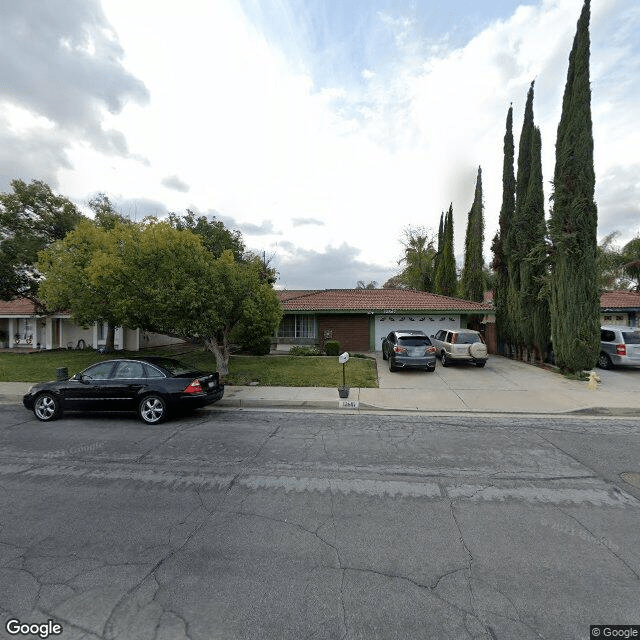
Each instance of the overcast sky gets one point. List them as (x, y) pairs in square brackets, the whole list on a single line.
[(318, 128)]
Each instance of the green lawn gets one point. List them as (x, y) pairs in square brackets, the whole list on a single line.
[(285, 371)]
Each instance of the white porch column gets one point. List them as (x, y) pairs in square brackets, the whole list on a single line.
[(48, 334), (12, 331), (94, 336)]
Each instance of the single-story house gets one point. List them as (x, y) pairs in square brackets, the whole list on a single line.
[(620, 308), (360, 318), (24, 326)]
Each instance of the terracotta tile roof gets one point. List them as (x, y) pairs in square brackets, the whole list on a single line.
[(620, 299), (18, 307), (351, 300)]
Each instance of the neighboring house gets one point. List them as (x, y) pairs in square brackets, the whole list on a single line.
[(26, 328), (620, 308), (360, 318)]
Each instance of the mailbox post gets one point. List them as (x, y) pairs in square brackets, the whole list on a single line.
[(343, 391)]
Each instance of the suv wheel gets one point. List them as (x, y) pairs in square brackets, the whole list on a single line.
[(604, 361), (445, 361)]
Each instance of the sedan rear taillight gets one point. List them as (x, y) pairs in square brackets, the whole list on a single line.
[(431, 349), (400, 350), (194, 387), (621, 349)]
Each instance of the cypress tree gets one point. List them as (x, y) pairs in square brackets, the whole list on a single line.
[(499, 244), (533, 268), (518, 242), (574, 296), (440, 245), (472, 271), (446, 280)]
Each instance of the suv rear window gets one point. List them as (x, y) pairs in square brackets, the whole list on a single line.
[(631, 337), (468, 338), (414, 341)]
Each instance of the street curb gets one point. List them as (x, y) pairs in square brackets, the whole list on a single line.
[(331, 405)]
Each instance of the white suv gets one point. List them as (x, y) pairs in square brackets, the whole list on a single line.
[(460, 345), (619, 346)]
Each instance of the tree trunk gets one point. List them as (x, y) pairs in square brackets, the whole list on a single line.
[(221, 353), (111, 336)]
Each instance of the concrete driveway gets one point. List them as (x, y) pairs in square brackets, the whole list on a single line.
[(502, 385)]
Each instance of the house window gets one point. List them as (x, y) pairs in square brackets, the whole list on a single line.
[(297, 327), (100, 330)]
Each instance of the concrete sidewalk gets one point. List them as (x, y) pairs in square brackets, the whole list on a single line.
[(503, 386)]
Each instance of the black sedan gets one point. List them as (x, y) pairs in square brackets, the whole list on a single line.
[(150, 387)]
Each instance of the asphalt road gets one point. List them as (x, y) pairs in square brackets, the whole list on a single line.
[(240, 524)]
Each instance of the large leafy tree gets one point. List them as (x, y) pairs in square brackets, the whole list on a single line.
[(32, 216), (162, 279), (67, 266), (214, 235), (446, 276), (574, 295), (499, 245), (472, 280)]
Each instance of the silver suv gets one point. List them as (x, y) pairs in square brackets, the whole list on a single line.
[(460, 345), (619, 346)]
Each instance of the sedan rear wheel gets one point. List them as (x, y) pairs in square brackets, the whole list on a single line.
[(391, 367), (46, 407), (152, 410)]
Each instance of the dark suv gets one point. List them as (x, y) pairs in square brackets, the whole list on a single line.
[(409, 349), (619, 346)]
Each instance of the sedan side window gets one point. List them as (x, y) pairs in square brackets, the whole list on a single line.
[(100, 371), (129, 370)]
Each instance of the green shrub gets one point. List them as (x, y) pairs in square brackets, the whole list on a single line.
[(259, 346), (332, 348), (299, 350)]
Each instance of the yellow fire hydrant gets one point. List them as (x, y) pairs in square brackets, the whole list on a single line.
[(593, 380)]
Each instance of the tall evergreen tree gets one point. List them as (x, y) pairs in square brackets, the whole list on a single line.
[(518, 241), (574, 296), (533, 268), (472, 271), (446, 278), (499, 242), (436, 263)]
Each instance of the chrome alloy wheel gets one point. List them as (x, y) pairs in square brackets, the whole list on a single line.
[(152, 409), (45, 407)]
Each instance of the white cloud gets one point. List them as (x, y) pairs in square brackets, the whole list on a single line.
[(256, 137)]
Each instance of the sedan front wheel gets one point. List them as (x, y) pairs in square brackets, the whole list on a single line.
[(46, 407), (152, 410)]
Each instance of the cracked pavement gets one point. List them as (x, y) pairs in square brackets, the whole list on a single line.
[(284, 525)]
